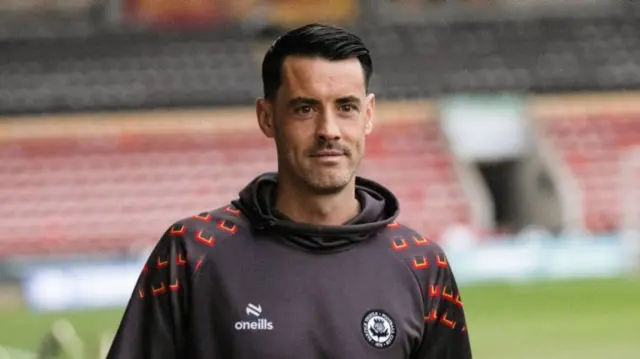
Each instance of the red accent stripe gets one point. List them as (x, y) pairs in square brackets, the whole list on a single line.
[(403, 244), (199, 263), (447, 296), (161, 264), (178, 232), (232, 229), (206, 218), (432, 316), (422, 241), (208, 241), (232, 210), (420, 262), (457, 301), (161, 290), (449, 323), (442, 263)]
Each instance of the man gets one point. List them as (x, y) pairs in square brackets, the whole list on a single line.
[(309, 262)]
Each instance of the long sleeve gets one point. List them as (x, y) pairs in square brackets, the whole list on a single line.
[(153, 322), (445, 333)]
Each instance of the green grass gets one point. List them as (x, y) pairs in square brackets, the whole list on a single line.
[(586, 319), (27, 329)]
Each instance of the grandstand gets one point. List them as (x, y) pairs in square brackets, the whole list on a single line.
[(594, 139), (89, 191), (509, 132)]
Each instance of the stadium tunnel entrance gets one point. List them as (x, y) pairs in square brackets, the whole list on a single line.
[(522, 192)]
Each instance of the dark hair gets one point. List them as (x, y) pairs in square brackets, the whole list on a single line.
[(313, 40)]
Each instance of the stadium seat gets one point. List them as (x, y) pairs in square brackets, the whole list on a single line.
[(143, 70), (105, 194), (413, 161), (593, 148)]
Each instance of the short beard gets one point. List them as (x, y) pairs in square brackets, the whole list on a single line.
[(307, 182), (322, 190)]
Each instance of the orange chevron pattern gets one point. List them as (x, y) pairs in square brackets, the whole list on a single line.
[(432, 316), (205, 217), (141, 293), (450, 323), (420, 262), (160, 263), (421, 241), (442, 262), (225, 227), (447, 296), (232, 210), (400, 244), (210, 241), (161, 290), (434, 291), (457, 301), (180, 260), (178, 231), (174, 287), (394, 224)]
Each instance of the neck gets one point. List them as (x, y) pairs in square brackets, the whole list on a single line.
[(301, 206)]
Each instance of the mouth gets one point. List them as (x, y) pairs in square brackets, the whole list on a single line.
[(328, 153)]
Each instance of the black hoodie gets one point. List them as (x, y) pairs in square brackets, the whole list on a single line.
[(243, 281)]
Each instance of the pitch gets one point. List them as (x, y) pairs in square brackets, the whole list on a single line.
[(586, 319)]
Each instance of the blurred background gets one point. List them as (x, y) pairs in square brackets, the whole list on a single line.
[(509, 129)]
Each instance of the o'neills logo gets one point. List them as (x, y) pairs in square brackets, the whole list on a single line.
[(260, 324)]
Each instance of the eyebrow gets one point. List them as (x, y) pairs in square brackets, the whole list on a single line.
[(297, 101), (348, 99)]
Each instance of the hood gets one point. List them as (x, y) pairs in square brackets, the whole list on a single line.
[(379, 207)]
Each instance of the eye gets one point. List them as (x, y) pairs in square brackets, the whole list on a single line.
[(303, 110), (348, 107)]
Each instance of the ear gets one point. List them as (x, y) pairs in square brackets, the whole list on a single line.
[(370, 113), (264, 114)]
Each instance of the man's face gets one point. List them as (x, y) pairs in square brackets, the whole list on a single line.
[(319, 120)]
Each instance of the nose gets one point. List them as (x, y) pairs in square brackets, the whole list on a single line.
[(327, 128)]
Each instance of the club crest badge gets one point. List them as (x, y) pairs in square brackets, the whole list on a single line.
[(378, 329)]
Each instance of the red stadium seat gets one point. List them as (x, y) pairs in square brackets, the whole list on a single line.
[(593, 148), (63, 196), (413, 160)]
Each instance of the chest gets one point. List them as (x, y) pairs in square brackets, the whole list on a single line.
[(280, 302)]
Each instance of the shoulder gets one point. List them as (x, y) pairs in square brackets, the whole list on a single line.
[(432, 270), (208, 228), (193, 238), (220, 222), (420, 251), (425, 257), (184, 247)]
